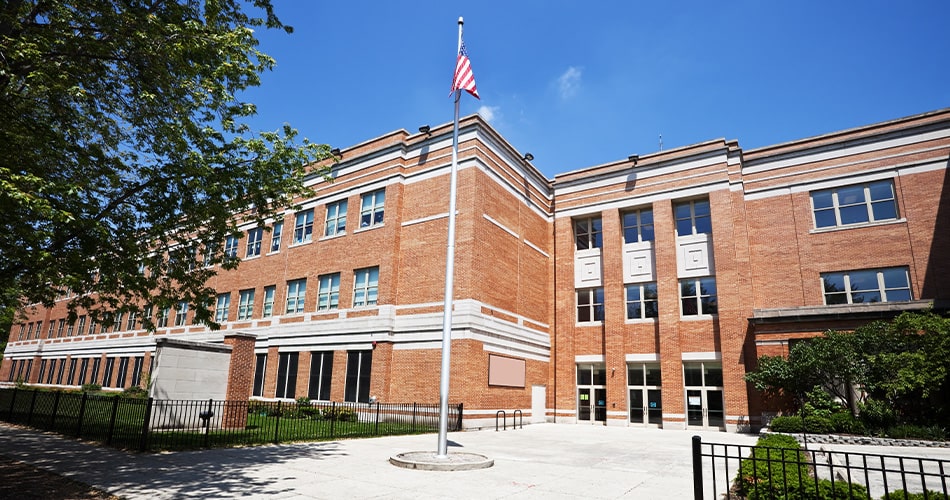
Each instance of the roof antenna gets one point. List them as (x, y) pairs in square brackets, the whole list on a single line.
[(661, 142)]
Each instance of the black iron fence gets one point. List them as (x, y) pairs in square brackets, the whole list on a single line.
[(152, 424), (762, 472)]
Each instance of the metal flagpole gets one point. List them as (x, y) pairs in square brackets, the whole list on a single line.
[(449, 282)]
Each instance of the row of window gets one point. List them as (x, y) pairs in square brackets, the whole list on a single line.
[(81, 371), (359, 365), (697, 296), (837, 207)]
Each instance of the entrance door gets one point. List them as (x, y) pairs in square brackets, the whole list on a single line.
[(705, 406), (643, 386), (591, 393)]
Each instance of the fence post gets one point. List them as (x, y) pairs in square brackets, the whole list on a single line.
[(413, 426), (333, 417), (459, 425), (377, 419), (207, 422), (115, 409), (12, 405), (52, 422), (277, 425), (146, 425), (29, 416), (82, 413), (697, 468)]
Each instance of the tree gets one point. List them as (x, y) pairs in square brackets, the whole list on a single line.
[(123, 147)]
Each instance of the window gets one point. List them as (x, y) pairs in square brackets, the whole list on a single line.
[(163, 317), (117, 323), (296, 293), (94, 371), (38, 331), (222, 308), (692, 217), (83, 368), (71, 374), (42, 371), (303, 227), (181, 313), (321, 372), (275, 236), (29, 332), (61, 328), (81, 328), (366, 287), (642, 301), (132, 322), (588, 233), (230, 247), (123, 371), (259, 366), (137, 371), (328, 296), (268, 310), (336, 218), (371, 212), (359, 366), (698, 296), (867, 286), (107, 373), (246, 304), (93, 326), (147, 314), (287, 375), (22, 329), (254, 238), (590, 305), (70, 328), (637, 225), (211, 248), (52, 326), (857, 204), (59, 373)]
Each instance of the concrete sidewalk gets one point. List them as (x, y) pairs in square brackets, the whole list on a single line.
[(539, 461)]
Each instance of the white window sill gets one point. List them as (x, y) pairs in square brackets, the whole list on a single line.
[(820, 230), (368, 228), (300, 244), (333, 236)]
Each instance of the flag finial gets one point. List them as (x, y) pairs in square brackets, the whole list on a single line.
[(461, 21)]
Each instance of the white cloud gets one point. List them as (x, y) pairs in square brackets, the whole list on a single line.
[(569, 82), (489, 113)]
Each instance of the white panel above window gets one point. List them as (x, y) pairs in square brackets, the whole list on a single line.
[(694, 256), (588, 266), (638, 262)]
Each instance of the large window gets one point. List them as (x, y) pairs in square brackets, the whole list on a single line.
[(366, 287), (692, 217), (287, 375), (641, 301), (321, 373), (866, 286), (588, 233), (637, 225), (303, 227), (107, 374), (296, 294), (222, 308), (137, 371), (162, 319), (254, 239), (268, 309), (698, 296), (81, 328), (275, 236), (371, 211), (336, 218), (246, 304), (123, 371), (857, 204), (181, 313), (329, 294), (231, 247), (590, 305), (359, 366), (260, 366)]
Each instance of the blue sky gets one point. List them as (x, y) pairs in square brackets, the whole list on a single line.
[(578, 84)]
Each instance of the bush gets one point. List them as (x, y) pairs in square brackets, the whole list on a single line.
[(903, 495), (877, 415), (931, 433), (339, 414), (91, 388), (135, 392), (845, 423), (814, 425), (779, 468)]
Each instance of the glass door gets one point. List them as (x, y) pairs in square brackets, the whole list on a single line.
[(705, 405), (591, 393), (643, 386)]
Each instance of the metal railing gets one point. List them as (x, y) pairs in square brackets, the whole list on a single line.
[(152, 424), (743, 471)]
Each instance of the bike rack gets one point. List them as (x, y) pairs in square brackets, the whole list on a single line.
[(504, 424)]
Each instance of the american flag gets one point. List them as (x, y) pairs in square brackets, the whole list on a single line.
[(464, 79)]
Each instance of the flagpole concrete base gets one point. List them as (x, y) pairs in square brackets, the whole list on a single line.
[(430, 460)]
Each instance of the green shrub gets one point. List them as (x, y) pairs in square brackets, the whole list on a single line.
[(91, 388), (845, 423), (340, 414), (135, 392), (903, 495), (813, 425), (303, 401), (877, 415), (931, 433), (779, 468)]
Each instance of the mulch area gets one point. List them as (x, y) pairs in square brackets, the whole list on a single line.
[(20, 480)]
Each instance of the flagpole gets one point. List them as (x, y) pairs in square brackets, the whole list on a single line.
[(449, 283)]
